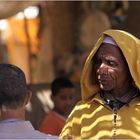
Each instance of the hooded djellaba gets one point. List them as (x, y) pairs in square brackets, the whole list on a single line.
[(110, 86)]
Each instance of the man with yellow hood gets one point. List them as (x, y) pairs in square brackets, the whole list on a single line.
[(110, 83)]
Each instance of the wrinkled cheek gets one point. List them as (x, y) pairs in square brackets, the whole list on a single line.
[(114, 79), (111, 80)]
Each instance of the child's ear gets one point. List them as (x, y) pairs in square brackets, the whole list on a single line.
[(53, 97)]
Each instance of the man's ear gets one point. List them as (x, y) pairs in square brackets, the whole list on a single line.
[(28, 97)]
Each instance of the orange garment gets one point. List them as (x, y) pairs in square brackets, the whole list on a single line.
[(53, 123)]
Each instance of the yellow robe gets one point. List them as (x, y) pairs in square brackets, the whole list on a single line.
[(91, 118)]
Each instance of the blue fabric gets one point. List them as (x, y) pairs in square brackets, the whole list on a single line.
[(20, 129)]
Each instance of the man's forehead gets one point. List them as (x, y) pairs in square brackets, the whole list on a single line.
[(107, 47)]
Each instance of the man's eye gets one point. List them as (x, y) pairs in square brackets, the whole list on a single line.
[(112, 63)]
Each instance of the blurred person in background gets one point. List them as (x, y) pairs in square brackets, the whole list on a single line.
[(110, 86), (14, 95), (63, 97)]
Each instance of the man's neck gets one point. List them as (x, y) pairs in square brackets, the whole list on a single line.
[(13, 114), (119, 92)]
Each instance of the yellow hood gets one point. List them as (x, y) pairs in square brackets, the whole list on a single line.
[(130, 47)]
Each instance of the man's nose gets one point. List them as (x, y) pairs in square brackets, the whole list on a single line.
[(103, 69)]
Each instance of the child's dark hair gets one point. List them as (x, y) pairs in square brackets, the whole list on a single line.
[(59, 83)]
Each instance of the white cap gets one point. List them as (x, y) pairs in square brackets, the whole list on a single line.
[(109, 40)]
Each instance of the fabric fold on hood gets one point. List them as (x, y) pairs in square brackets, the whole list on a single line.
[(130, 47)]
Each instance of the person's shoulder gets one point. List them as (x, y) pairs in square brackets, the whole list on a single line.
[(51, 116), (82, 104), (34, 135), (80, 107)]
